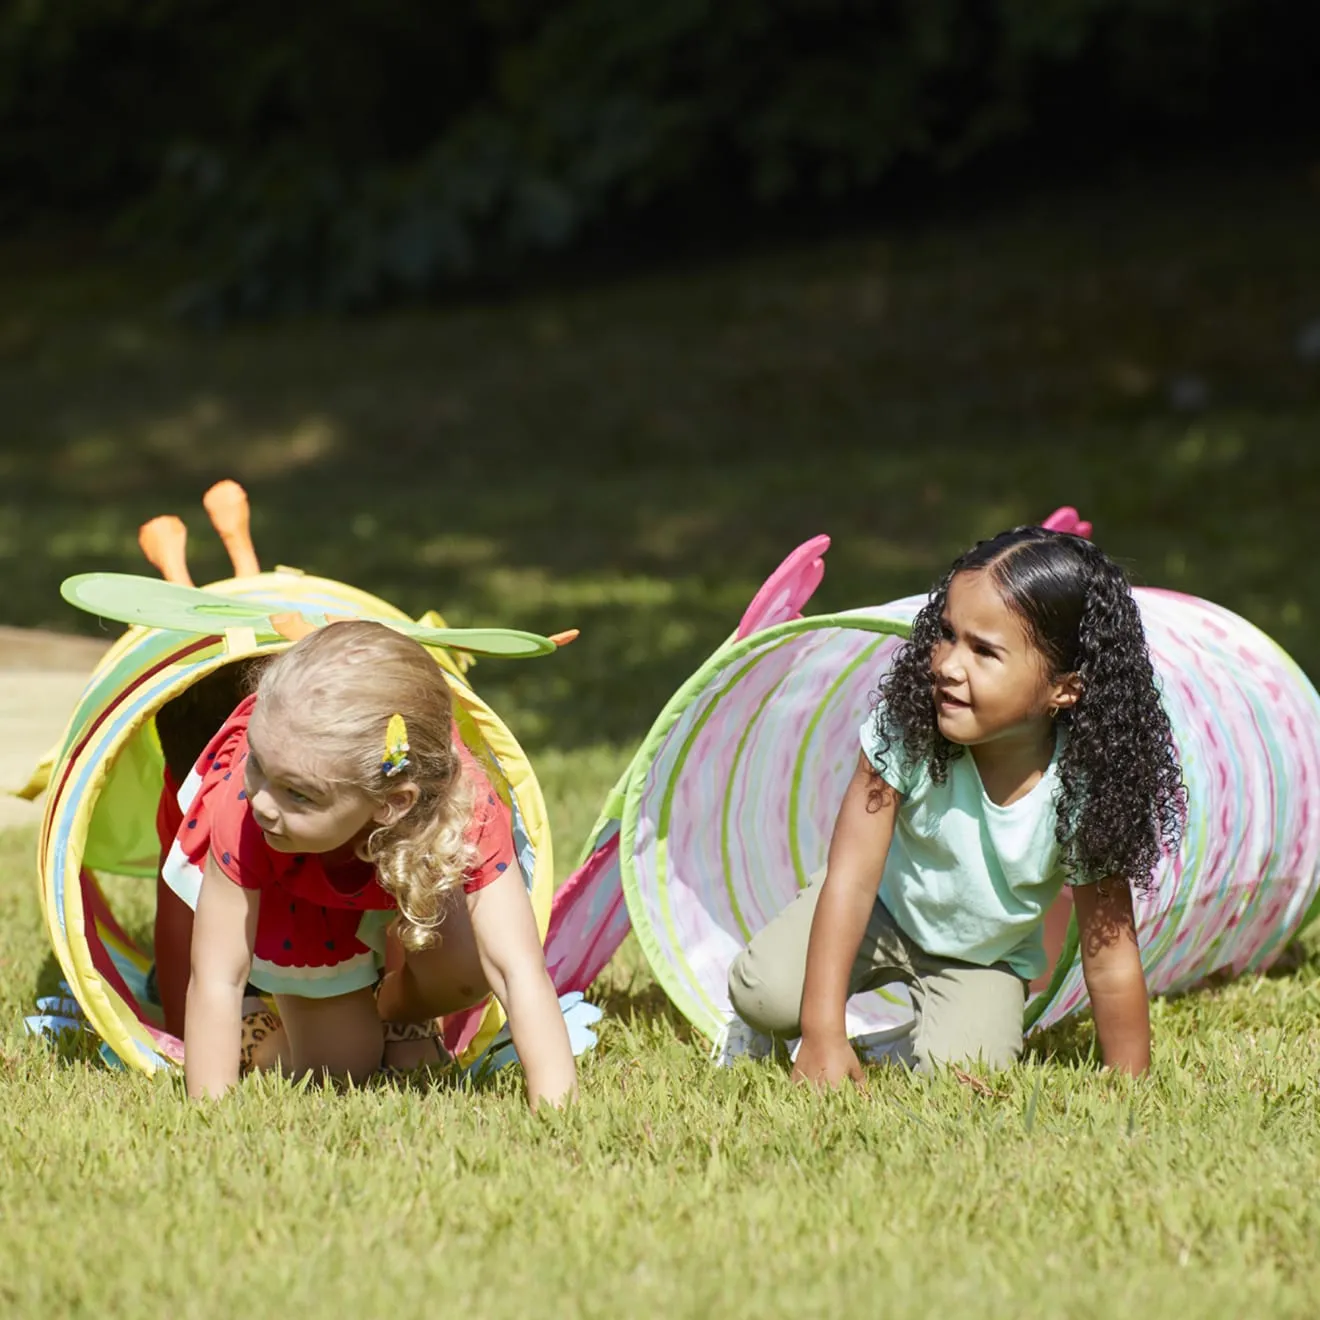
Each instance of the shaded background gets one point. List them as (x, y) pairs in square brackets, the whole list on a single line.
[(354, 152), (585, 313)]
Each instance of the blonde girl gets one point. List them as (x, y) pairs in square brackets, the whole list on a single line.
[(337, 802)]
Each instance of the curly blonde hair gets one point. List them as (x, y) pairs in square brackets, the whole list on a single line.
[(337, 688)]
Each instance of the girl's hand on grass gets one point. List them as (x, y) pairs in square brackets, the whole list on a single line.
[(514, 963), (827, 1063), (858, 849), (224, 931)]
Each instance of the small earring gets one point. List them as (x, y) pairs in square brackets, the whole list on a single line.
[(1054, 712)]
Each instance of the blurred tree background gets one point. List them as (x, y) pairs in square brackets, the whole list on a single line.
[(350, 153), (657, 292)]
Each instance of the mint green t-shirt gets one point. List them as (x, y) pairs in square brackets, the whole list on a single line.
[(966, 878)]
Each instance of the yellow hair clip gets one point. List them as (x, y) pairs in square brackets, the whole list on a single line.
[(396, 747)]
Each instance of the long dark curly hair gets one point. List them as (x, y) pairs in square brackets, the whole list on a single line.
[(1121, 800)]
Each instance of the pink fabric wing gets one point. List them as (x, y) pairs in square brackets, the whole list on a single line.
[(787, 589)]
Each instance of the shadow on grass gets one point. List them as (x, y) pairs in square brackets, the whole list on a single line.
[(645, 1002), (1071, 1043), (66, 1047), (633, 460), (50, 979)]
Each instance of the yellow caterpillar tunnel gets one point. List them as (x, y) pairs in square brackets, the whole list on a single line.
[(105, 780)]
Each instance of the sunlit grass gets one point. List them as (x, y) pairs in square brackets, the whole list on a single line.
[(632, 460), (674, 1188)]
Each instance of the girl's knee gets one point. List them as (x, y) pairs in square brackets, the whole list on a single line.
[(769, 1006), (929, 1057), (337, 1037)]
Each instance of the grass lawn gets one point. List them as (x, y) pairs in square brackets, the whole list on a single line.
[(632, 459)]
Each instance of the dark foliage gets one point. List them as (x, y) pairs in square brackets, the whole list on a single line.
[(354, 151)]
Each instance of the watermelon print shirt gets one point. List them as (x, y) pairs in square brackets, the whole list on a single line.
[(312, 905)]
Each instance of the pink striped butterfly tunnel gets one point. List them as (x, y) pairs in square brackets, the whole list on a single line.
[(728, 806)]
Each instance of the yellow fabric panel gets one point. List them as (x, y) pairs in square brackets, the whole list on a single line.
[(40, 777), (113, 1020)]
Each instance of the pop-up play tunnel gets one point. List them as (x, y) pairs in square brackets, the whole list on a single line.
[(105, 780), (729, 805)]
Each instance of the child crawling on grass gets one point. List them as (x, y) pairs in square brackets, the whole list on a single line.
[(1018, 744), (185, 725), (337, 802)]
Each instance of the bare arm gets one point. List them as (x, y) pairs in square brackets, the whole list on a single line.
[(1111, 963), (224, 932), (514, 964), (858, 849)]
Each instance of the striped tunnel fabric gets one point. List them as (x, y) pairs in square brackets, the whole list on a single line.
[(731, 800)]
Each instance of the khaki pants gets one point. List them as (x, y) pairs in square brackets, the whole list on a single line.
[(964, 1013)]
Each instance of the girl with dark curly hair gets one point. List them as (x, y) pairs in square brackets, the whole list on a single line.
[(1017, 744)]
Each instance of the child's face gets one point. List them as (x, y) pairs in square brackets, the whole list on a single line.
[(294, 795), (990, 681)]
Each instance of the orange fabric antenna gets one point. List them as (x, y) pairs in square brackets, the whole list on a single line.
[(293, 626), (164, 541), (226, 504), (563, 638), (297, 626)]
